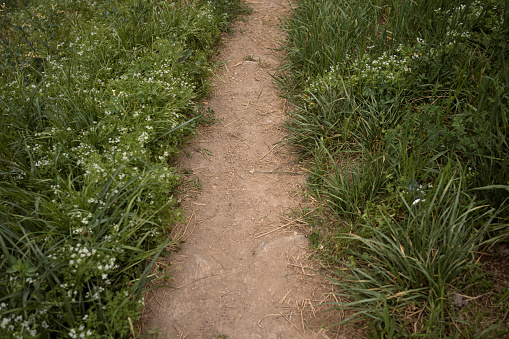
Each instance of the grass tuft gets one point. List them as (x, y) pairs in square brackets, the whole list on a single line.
[(401, 108)]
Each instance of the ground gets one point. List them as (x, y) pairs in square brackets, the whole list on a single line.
[(242, 271)]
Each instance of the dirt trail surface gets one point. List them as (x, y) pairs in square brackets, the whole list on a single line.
[(238, 273)]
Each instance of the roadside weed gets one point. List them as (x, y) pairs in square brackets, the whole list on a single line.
[(401, 108), (96, 98)]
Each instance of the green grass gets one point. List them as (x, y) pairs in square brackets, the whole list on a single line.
[(95, 100), (402, 109)]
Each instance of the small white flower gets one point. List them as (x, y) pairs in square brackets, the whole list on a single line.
[(416, 201), (5, 322)]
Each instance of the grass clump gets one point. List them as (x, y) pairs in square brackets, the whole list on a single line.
[(402, 109), (96, 98)]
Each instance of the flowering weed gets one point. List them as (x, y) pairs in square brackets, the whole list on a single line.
[(392, 93), (96, 98)]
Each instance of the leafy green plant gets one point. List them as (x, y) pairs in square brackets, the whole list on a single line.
[(417, 264), (390, 98), (92, 115)]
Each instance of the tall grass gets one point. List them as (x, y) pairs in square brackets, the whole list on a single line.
[(95, 100), (392, 98), (420, 263)]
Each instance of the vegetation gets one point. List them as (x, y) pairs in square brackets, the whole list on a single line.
[(402, 108), (95, 98)]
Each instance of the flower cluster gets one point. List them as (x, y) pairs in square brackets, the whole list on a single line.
[(90, 102), (369, 70), (16, 326)]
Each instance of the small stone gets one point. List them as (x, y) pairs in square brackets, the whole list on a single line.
[(457, 299)]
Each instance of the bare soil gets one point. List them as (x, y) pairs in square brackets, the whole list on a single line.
[(242, 270)]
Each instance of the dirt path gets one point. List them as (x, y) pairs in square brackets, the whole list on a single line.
[(236, 275)]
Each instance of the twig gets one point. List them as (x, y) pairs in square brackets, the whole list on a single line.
[(268, 152), (184, 237), (214, 258), (302, 268), (283, 226), (131, 325), (232, 122), (302, 318), (277, 172), (265, 316), (157, 301), (302, 334), (286, 295), (182, 335), (275, 229), (244, 232)]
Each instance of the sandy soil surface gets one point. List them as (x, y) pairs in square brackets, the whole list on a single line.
[(240, 273)]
